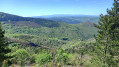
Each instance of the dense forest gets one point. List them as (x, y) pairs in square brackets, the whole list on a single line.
[(60, 41)]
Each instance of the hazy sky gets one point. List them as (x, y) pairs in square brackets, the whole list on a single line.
[(50, 7)]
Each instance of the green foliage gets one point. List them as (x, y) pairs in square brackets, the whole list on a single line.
[(81, 31), (21, 56), (107, 36), (61, 56), (43, 58), (3, 47)]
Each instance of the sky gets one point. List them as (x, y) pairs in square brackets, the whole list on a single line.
[(28, 8)]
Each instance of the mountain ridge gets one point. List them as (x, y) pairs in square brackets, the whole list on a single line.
[(71, 19), (40, 21)]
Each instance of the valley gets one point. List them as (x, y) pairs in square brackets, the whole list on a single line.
[(59, 40), (39, 35), (46, 32)]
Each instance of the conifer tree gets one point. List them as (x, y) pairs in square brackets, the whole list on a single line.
[(108, 36), (3, 47)]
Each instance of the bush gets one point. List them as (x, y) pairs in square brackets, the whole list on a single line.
[(22, 56), (43, 58)]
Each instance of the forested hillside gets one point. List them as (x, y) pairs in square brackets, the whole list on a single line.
[(42, 22), (60, 41), (42, 34), (47, 28)]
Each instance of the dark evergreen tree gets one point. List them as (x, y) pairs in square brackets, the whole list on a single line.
[(3, 47), (108, 36)]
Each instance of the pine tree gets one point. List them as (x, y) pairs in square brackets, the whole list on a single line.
[(3, 46), (108, 36)]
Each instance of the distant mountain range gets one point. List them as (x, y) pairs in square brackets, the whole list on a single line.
[(71, 19), (64, 15)]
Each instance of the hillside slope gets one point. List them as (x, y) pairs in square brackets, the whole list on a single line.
[(81, 31), (45, 32), (14, 18)]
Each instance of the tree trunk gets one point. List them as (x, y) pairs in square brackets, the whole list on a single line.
[(106, 47)]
